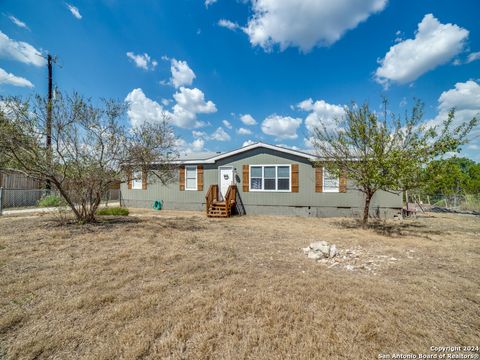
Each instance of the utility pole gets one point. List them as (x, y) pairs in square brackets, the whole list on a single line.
[(49, 116)]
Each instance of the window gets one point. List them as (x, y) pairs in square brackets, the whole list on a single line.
[(270, 178), (330, 181), (191, 177), (256, 176), (137, 180)]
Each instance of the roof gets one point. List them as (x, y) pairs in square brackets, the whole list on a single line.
[(211, 158), (196, 156)]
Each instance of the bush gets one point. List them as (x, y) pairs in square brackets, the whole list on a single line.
[(113, 211), (50, 201)]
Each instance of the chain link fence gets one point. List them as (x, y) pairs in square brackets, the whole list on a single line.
[(25, 198), (20, 198), (461, 202)]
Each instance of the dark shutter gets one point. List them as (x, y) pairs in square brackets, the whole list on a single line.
[(129, 178), (246, 178), (343, 182), (200, 178), (181, 178), (295, 178), (319, 179), (144, 179)]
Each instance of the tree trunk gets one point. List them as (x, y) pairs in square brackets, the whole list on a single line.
[(366, 209), (65, 196)]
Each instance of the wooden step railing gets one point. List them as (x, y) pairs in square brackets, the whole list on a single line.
[(212, 196), (230, 197)]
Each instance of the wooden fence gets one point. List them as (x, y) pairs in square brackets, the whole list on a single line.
[(17, 180)]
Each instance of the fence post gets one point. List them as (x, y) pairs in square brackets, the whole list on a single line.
[(1, 200)]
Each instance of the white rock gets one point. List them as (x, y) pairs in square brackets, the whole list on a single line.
[(333, 251), (315, 255), (306, 250), (321, 246), (349, 267)]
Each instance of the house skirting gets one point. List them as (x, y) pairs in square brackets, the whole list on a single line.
[(308, 211)]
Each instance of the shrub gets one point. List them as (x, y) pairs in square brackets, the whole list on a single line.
[(113, 211), (50, 201)]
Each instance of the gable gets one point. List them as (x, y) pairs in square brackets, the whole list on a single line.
[(261, 155)]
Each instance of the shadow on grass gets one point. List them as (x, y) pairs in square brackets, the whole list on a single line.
[(102, 222), (393, 229)]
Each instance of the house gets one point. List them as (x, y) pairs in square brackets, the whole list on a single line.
[(256, 179)]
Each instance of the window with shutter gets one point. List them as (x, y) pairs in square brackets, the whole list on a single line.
[(191, 177)]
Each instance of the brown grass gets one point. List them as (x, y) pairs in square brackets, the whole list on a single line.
[(177, 285)]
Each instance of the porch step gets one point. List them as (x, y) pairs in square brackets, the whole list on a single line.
[(218, 210)]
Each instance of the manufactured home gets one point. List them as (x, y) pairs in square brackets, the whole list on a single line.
[(256, 179)]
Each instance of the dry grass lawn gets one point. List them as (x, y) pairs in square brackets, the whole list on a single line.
[(177, 285)]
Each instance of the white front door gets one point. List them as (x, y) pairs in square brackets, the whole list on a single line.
[(226, 179)]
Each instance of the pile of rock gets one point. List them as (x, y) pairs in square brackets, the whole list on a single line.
[(320, 250), (353, 259)]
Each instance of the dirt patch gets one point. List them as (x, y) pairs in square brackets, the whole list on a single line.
[(167, 285)]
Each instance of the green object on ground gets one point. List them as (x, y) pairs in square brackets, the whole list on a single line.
[(114, 211), (158, 205), (50, 201)]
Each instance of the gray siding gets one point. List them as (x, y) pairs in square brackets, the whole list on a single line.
[(306, 202)]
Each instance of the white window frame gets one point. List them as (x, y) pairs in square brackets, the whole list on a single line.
[(196, 177), (337, 189), (137, 180), (263, 166)]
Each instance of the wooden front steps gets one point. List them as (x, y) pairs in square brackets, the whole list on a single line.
[(220, 209)]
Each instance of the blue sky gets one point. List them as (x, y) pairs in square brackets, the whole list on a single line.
[(229, 72)]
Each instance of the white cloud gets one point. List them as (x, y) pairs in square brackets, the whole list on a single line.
[(473, 57), (141, 108), (143, 61), (282, 127), (182, 75), (248, 119), (10, 79), (227, 124), (18, 22), (321, 113), (243, 131), (20, 51), (185, 147), (465, 98), (248, 142), (228, 24), (198, 145), (306, 23), (199, 134), (210, 2), (434, 44), (293, 147), (166, 102), (309, 142), (220, 135), (190, 103), (74, 10)]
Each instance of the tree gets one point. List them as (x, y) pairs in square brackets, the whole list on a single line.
[(473, 181), (386, 152), (448, 176), (90, 147)]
